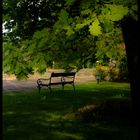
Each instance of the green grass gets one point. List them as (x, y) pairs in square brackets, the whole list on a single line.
[(45, 116)]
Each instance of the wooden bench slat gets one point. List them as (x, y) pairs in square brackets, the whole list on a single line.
[(62, 74)]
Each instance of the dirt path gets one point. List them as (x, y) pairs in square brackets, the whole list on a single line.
[(10, 83)]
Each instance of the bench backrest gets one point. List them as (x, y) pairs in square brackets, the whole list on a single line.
[(62, 76), (65, 74)]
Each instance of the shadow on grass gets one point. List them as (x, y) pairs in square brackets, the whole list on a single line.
[(48, 116)]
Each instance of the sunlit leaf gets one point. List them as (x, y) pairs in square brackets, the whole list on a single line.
[(69, 30), (95, 28), (79, 26), (116, 12), (86, 12)]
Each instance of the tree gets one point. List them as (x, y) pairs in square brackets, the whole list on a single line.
[(70, 33), (131, 37)]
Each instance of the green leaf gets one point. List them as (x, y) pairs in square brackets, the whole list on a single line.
[(95, 28), (79, 26), (116, 12), (87, 21), (18, 69), (135, 7), (6, 68), (107, 26), (84, 23), (63, 17), (69, 30), (86, 12), (69, 2), (109, 53), (85, 4), (22, 76)]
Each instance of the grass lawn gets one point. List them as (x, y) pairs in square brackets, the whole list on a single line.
[(29, 116)]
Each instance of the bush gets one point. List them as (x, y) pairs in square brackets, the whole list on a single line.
[(110, 73), (102, 71), (114, 73)]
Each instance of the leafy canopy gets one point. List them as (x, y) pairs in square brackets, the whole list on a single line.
[(68, 33)]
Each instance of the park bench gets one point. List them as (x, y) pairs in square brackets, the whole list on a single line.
[(61, 78)]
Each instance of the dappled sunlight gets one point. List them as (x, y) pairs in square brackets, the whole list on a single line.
[(8, 113), (11, 128), (118, 96), (64, 135)]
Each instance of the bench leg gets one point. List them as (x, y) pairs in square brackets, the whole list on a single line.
[(73, 86), (63, 87), (50, 90), (39, 89)]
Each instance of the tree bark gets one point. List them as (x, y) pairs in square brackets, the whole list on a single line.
[(130, 31)]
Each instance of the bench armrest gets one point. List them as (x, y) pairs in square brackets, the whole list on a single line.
[(43, 81)]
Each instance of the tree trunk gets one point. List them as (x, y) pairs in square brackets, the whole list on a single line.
[(131, 38)]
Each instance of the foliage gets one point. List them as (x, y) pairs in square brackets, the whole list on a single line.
[(70, 33), (114, 74), (15, 61), (102, 72), (118, 73), (95, 29)]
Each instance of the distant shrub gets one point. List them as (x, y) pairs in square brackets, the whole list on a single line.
[(102, 71), (108, 73), (114, 73)]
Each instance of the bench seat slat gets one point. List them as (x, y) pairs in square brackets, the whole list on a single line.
[(44, 85), (60, 83)]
